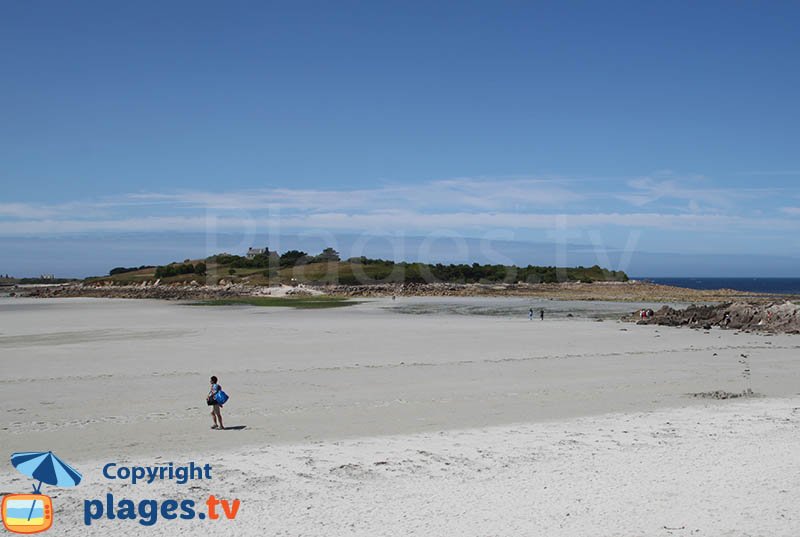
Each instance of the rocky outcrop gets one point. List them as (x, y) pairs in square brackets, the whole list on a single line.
[(190, 291), (412, 289), (781, 316)]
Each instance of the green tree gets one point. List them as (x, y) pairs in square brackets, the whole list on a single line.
[(328, 254), (292, 258)]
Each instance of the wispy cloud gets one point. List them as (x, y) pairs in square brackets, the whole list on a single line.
[(392, 221), (663, 201), (25, 210), (454, 193), (692, 193)]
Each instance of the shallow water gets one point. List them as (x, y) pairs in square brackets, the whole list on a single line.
[(517, 307)]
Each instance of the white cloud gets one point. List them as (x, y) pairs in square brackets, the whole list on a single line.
[(25, 210), (647, 190), (662, 201), (393, 221), (693, 192), (463, 193)]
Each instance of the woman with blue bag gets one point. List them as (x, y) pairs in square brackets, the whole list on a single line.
[(216, 398)]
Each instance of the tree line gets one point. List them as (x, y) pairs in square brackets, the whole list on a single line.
[(291, 258), (364, 270), (383, 271)]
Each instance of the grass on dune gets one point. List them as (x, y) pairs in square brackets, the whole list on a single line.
[(305, 302)]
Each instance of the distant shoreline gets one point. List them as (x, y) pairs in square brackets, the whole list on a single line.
[(631, 291)]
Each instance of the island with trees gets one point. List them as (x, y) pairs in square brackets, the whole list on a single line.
[(327, 268), (269, 277)]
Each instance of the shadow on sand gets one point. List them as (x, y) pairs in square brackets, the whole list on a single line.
[(235, 428)]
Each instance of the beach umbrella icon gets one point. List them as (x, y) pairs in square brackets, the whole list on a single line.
[(45, 467)]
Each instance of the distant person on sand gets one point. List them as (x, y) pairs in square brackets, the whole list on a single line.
[(541, 314), (211, 400), (530, 314)]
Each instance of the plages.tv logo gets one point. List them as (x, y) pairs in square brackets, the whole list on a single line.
[(33, 513)]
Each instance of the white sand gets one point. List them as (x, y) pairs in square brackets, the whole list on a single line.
[(499, 426), (717, 470)]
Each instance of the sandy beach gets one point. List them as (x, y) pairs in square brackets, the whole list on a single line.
[(419, 416), (443, 269)]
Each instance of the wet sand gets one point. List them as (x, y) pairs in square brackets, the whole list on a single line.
[(102, 379), (123, 371)]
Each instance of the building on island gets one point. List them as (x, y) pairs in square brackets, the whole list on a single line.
[(253, 252)]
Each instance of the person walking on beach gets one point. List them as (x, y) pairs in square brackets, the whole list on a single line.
[(216, 415), (530, 314), (541, 314)]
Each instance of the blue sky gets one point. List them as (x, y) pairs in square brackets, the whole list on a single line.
[(641, 128)]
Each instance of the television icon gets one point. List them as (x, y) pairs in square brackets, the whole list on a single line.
[(27, 513)]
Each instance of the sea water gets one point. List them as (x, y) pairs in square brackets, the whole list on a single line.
[(785, 286)]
